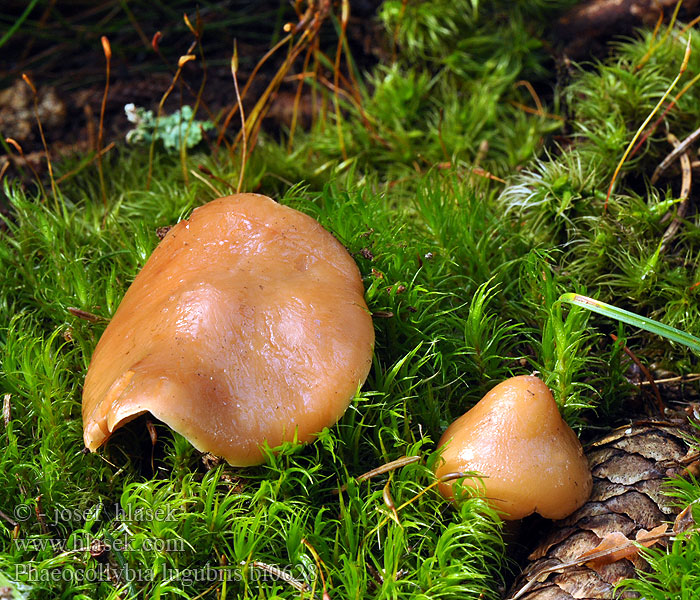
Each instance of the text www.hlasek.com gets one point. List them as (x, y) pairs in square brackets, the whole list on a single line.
[(85, 544)]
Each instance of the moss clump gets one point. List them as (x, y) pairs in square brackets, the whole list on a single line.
[(462, 275), (616, 250)]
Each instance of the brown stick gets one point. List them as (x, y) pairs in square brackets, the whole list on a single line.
[(677, 151), (687, 180), (650, 378)]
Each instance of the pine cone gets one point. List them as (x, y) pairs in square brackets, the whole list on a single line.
[(630, 467)]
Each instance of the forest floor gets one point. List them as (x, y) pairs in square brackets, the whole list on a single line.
[(472, 182)]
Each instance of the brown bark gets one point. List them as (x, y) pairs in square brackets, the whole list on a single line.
[(588, 24)]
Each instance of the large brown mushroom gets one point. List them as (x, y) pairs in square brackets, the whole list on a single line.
[(529, 459), (246, 325)]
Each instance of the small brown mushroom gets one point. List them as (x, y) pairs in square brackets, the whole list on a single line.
[(528, 457), (246, 325)]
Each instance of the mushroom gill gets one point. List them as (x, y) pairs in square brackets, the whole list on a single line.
[(246, 325)]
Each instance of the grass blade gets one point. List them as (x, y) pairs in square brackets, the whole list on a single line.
[(608, 310), (17, 24)]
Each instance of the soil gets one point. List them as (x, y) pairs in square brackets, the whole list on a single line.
[(59, 48)]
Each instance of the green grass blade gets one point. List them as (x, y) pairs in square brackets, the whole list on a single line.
[(16, 25), (608, 310)]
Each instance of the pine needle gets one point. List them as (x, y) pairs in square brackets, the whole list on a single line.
[(107, 49), (684, 65), (244, 153)]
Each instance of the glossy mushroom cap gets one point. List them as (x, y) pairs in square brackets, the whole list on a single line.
[(529, 458), (247, 325)]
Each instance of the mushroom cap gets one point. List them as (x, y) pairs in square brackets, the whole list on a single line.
[(529, 458), (246, 325)]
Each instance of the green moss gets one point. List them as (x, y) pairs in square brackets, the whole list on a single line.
[(415, 269), (462, 276), (615, 250)]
